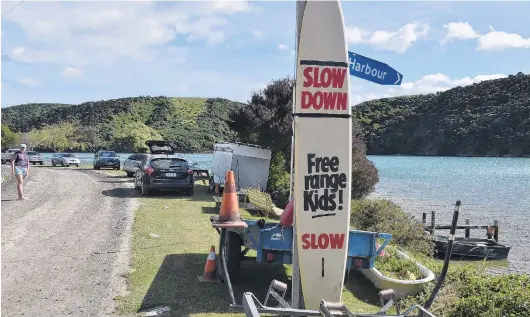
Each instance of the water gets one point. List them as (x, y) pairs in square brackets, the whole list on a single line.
[(489, 188)]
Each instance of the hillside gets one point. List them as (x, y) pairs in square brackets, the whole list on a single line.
[(491, 118), (193, 124)]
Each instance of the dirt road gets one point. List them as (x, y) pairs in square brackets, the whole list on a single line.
[(65, 249)]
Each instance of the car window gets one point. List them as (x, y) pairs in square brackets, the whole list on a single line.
[(68, 155), (169, 163), (108, 154), (132, 157), (55, 155), (32, 153)]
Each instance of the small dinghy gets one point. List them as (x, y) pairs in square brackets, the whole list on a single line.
[(472, 248)]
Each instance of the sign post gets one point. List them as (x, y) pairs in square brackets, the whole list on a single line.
[(322, 151)]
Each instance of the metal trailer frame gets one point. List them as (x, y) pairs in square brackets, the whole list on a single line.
[(252, 307)]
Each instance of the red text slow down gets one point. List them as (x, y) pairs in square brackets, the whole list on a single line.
[(324, 78)]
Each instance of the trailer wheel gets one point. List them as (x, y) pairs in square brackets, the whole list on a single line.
[(232, 243)]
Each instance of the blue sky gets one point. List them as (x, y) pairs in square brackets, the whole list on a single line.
[(71, 52)]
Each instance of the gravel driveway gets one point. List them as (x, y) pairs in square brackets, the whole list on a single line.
[(65, 250)]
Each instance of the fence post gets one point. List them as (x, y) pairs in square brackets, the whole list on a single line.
[(423, 219), (496, 230), (433, 221), (467, 231)]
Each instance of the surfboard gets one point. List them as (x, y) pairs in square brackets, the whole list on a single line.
[(322, 153)]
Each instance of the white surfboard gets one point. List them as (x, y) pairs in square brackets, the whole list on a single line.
[(322, 153)]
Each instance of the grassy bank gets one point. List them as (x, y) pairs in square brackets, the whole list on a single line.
[(171, 238)]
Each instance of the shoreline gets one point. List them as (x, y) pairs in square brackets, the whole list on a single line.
[(515, 264)]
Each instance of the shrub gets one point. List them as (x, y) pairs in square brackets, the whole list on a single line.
[(384, 216), (364, 176), (507, 295), (390, 265), (278, 182)]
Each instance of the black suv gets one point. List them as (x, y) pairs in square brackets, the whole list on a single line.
[(104, 158), (163, 170)]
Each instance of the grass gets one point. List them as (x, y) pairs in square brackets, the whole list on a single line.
[(171, 238)]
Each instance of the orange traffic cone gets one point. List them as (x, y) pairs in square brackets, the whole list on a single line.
[(209, 268), (229, 212)]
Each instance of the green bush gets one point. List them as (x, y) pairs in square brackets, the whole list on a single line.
[(278, 182), (390, 265), (384, 216), (507, 295)]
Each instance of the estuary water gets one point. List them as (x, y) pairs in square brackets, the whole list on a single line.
[(489, 188)]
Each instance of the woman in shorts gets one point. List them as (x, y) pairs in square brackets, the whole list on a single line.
[(20, 169)]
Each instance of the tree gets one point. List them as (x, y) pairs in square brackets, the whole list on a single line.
[(9, 138), (267, 121)]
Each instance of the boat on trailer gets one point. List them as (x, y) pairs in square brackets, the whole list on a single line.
[(472, 248)]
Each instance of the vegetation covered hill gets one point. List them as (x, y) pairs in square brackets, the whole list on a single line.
[(193, 124), (491, 118)]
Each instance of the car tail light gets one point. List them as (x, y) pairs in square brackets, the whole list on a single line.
[(149, 170), (271, 256), (190, 172)]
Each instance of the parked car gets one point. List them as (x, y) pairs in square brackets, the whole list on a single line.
[(131, 164), (35, 157), (163, 170), (104, 158), (65, 159), (8, 155)]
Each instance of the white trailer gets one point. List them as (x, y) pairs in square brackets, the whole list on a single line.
[(250, 164)]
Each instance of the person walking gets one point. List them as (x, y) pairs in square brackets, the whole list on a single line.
[(20, 169)]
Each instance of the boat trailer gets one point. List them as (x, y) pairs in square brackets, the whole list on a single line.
[(252, 307)]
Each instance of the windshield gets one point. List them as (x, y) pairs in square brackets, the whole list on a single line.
[(68, 155), (160, 148), (32, 153), (108, 154), (169, 163)]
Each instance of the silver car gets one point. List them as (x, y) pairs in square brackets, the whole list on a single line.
[(65, 159), (131, 164), (35, 157)]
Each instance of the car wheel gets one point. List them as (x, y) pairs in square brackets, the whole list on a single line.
[(97, 167), (191, 191), (145, 190), (129, 174), (41, 163), (76, 165), (53, 164)]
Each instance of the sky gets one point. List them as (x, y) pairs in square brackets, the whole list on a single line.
[(78, 51)]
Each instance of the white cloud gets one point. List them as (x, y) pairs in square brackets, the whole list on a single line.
[(83, 32), (398, 41), (491, 41), (71, 72), (354, 35), (232, 6), (427, 84), (495, 40), (28, 81), (440, 82), (283, 47), (458, 31)]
